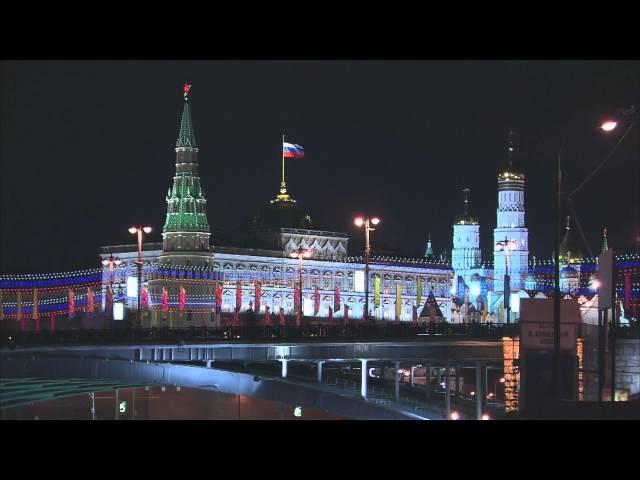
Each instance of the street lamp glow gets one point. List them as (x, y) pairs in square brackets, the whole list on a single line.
[(609, 125), (502, 380), (375, 220), (105, 262), (133, 230), (358, 221), (485, 416), (455, 415), (147, 229)]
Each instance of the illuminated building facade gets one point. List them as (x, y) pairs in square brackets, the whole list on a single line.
[(187, 270)]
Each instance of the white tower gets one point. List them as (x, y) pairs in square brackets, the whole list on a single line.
[(466, 241), (510, 224)]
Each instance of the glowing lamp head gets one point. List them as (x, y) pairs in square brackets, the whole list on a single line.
[(147, 229), (455, 415), (133, 230), (475, 290), (117, 262), (306, 254), (375, 220), (485, 416), (105, 262), (359, 221), (502, 380), (609, 125)]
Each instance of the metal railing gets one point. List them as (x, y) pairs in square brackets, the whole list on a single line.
[(307, 333)]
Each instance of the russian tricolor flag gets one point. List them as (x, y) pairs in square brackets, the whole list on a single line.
[(291, 150)]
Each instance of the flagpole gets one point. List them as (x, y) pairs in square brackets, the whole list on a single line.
[(283, 187)]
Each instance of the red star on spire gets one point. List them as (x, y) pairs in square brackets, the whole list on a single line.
[(186, 88)]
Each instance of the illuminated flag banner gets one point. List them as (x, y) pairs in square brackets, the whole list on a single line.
[(282, 320), (336, 299), (145, 297), (182, 298), (296, 299), (267, 316), (376, 293), (346, 314), (258, 294), (238, 296), (165, 300), (398, 301), (19, 306), (316, 302), (419, 291), (218, 298), (72, 305), (90, 303), (291, 150), (34, 310)]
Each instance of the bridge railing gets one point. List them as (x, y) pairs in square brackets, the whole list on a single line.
[(308, 333)]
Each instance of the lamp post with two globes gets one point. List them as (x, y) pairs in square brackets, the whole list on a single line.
[(110, 263), (367, 222), (300, 253), (139, 230), (507, 245)]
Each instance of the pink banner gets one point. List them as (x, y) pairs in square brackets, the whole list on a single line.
[(72, 305), (267, 316), (52, 323), (182, 298), (165, 300), (336, 299), (90, 306), (218, 298), (258, 294), (145, 297), (282, 320), (238, 296), (345, 319)]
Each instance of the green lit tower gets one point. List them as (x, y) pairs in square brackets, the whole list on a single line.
[(186, 231)]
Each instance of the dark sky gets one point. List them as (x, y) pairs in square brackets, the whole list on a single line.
[(86, 147)]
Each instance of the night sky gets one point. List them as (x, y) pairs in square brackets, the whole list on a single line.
[(86, 148)]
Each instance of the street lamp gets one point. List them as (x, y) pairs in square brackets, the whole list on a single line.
[(139, 230), (367, 222), (606, 126), (507, 245), (299, 254), (110, 263)]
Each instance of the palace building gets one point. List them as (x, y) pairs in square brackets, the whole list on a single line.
[(183, 275)]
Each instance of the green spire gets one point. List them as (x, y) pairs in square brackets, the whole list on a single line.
[(605, 244), (429, 251), (186, 204), (186, 138)]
